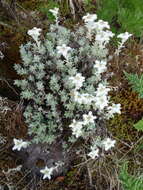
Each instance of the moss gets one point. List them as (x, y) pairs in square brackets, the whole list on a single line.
[(121, 126)]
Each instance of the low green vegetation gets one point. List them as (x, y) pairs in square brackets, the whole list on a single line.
[(136, 83), (130, 182), (46, 6), (123, 15), (139, 125), (89, 5)]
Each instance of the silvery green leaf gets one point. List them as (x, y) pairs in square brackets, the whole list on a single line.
[(27, 94), (40, 85)]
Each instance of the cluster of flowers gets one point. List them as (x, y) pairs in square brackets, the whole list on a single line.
[(102, 36), (47, 172), (106, 144), (96, 100), (77, 126), (99, 100)]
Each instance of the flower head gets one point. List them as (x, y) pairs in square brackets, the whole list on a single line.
[(34, 33), (76, 128), (103, 37), (88, 118), (102, 90), (115, 108), (18, 144), (47, 172), (54, 11), (108, 143), (101, 102), (124, 36), (87, 98), (63, 50), (94, 153), (77, 96), (100, 66), (89, 17), (100, 25), (77, 80)]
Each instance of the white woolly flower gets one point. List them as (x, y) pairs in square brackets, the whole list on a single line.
[(115, 108), (84, 98), (100, 25), (34, 33), (100, 66), (87, 98), (77, 80), (94, 153), (89, 17), (103, 37), (124, 36), (101, 102), (54, 11), (108, 143), (77, 96), (47, 172), (63, 50), (76, 128), (102, 90), (88, 118), (18, 144), (91, 26)]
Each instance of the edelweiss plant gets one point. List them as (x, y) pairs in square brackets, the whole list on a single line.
[(64, 85)]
